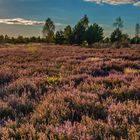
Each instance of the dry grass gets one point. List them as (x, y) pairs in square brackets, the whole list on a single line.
[(131, 71)]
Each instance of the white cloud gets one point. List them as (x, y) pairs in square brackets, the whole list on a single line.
[(21, 21), (137, 3), (116, 2)]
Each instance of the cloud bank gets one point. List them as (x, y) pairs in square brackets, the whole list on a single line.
[(116, 2), (21, 21)]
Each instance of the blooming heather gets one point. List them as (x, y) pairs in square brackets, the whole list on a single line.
[(69, 93)]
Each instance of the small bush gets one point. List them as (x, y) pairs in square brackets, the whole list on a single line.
[(85, 44), (6, 111), (53, 81)]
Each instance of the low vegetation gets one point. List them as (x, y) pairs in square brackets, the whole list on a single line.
[(50, 92)]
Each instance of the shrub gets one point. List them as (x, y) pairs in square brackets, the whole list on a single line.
[(5, 111), (53, 81), (85, 44)]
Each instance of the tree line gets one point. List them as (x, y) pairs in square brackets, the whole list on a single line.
[(83, 33)]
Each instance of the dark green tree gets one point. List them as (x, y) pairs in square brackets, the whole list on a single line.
[(116, 36), (125, 38), (48, 30), (78, 35), (7, 39), (85, 21), (137, 33), (94, 34), (137, 30), (59, 37), (79, 31), (68, 34), (118, 23), (2, 39)]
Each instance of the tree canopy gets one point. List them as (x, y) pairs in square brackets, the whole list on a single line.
[(48, 30), (118, 23)]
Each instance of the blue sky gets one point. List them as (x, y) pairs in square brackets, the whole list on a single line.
[(25, 17)]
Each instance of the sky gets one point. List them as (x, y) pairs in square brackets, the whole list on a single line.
[(26, 17)]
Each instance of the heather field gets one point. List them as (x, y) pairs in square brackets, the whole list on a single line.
[(52, 92)]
